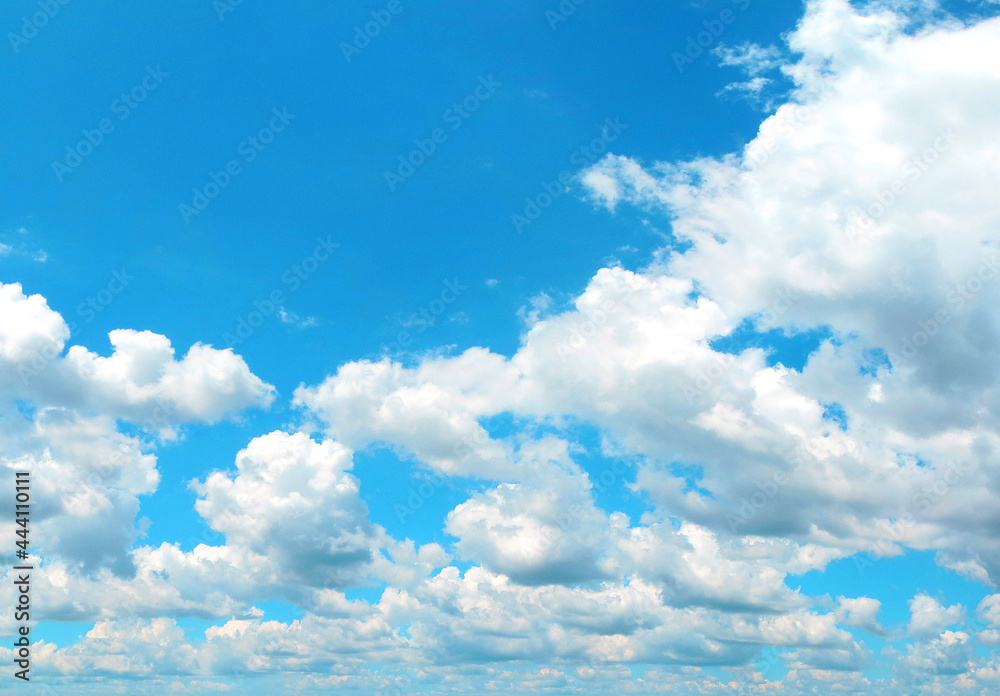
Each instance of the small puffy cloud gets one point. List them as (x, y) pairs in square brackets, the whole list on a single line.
[(534, 536), (295, 320), (860, 612), (141, 378), (428, 413), (617, 178), (28, 327), (928, 617)]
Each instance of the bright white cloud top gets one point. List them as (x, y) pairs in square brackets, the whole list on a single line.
[(865, 208)]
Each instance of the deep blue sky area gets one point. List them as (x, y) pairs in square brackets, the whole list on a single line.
[(323, 174)]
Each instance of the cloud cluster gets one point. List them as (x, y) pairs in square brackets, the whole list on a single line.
[(864, 210)]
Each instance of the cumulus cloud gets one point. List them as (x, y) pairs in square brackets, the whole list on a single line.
[(140, 381), (750, 57), (928, 617), (29, 327), (293, 501), (860, 612), (864, 209), (141, 378)]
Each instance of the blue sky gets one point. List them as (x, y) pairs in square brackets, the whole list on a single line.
[(609, 256)]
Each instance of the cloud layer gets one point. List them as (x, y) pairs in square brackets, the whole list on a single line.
[(864, 211)]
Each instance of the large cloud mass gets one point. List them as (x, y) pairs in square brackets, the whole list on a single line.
[(864, 211)]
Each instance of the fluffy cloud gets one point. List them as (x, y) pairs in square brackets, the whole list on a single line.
[(989, 612), (140, 381), (29, 327), (863, 209), (860, 612), (928, 617), (293, 501), (58, 422), (142, 374)]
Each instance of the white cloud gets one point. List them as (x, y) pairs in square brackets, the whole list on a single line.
[(87, 479), (928, 617), (293, 501), (142, 378), (29, 327), (860, 612), (750, 57), (295, 320), (746, 480)]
